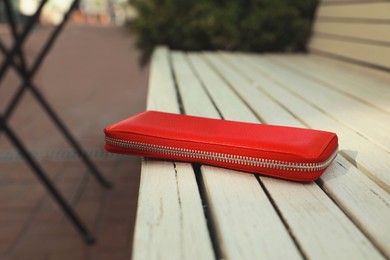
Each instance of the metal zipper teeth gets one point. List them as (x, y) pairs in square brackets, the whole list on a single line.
[(221, 157)]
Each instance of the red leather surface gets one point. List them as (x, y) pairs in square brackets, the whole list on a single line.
[(245, 139)]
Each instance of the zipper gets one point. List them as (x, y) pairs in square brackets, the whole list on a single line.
[(221, 157)]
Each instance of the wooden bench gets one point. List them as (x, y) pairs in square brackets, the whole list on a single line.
[(186, 212)]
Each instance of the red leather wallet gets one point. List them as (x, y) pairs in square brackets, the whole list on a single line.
[(284, 152)]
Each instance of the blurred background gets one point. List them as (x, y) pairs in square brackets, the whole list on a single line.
[(92, 78), (96, 74)]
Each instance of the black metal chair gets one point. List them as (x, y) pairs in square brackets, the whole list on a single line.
[(14, 57)]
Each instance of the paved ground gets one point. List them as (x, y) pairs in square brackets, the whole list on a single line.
[(92, 79)]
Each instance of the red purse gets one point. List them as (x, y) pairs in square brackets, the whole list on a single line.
[(284, 152)]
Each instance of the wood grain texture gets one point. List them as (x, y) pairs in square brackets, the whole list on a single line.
[(336, 219), (357, 195), (195, 99), (248, 226), (240, 233), (368, 91), (335, 237), (343, 176), (161, 92), (374, 125), (365, 203), (170, 219), (370, 158), (224, 97)]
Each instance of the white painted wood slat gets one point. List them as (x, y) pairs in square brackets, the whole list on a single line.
[(372, 94), (375, 32), (378, 10), (161, 91), (370, 122), (170, 220), (195, 99), (335, 237), (353, 71), (317, 239), (378, 55), (373, 160), (365, 202), (370, 158), (245, 221), (249, 227), (343, 174), (223, 96)]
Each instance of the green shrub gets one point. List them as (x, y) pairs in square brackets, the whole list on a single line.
[(240, 25)]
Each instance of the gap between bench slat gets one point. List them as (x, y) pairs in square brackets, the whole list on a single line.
[(340, 177), (303, 194), (374, 125), (239, 206), (170, 220)]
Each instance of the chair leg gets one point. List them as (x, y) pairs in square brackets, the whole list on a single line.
[(88, 237), (22, 69), (27, 75), (27, 29)]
